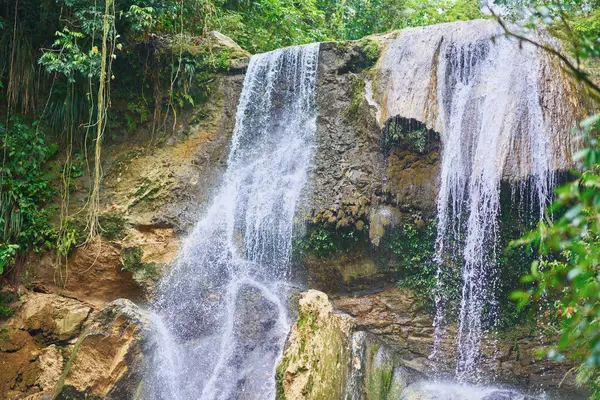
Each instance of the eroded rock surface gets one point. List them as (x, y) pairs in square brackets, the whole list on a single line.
[(58, 347), (380, 346)]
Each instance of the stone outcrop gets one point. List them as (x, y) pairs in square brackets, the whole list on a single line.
[(94, 273), (381, 123), (380, 345), (396, 319), (107, 360), (51, 318), (411, 84), (328, 356), (58, 347), (35, 343), (314, 364)]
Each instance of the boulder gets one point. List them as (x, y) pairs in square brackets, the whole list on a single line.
[(315, 362), (107, 360), (50, 317)]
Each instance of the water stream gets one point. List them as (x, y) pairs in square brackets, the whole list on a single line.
[(493, 128), (221, 315)]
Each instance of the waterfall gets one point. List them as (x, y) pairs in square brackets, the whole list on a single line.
[(492, 121), (221, 315), (496, 104)]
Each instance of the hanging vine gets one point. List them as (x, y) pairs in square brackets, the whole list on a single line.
[(103, 98)]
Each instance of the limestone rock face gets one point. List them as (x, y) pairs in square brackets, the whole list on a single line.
[(352, 272), (315, 362), (152, 194), (380, 128), (413, 84), (397, 321), (57, 347), (329, 356), (107, 359), (377, 347)]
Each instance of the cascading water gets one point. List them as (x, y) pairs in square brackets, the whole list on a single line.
[(496, 105), (483, 136), (220, 318)]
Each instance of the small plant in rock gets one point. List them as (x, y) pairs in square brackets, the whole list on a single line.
[(322, 241)]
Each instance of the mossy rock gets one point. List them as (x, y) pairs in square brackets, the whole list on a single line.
[(112, 226), (131, 257)]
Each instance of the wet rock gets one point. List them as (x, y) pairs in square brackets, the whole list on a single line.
[(409, 85), (349, 272)]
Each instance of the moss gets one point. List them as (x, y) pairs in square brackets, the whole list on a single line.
[(357, 90), (279, 376), (112, 225), (380, 383), (409, 249), (131, 257), (322, 240), (406, 133), (371, 50), (70, 393), (145, 193), (5, 338), (6, 310)]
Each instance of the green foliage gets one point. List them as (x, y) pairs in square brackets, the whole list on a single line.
[(322, 241), (357, 90), (405, 133), (24, 189), (132, 262), (411, 252), (421, 13), (137, 113), (132, 258), (68, 59), (570, 272), (269, 24), (353, 19), (6, 311)]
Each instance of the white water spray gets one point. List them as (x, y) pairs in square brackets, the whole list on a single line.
[(498, 106), (220, 317), (492, 122)]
